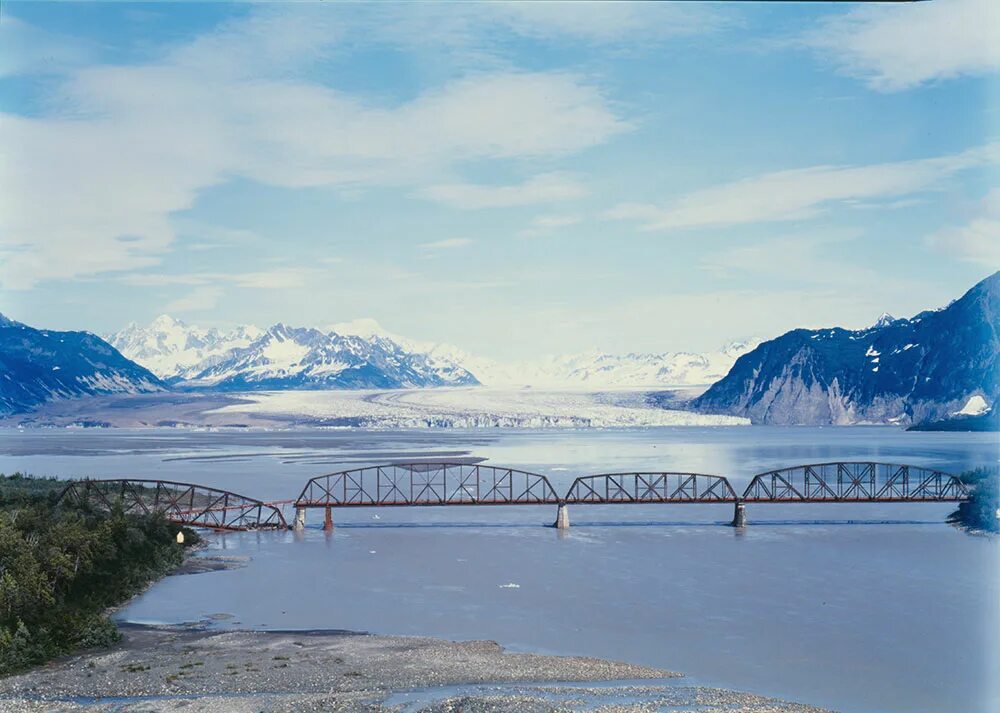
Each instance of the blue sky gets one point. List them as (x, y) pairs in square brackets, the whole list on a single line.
[(516, 179)]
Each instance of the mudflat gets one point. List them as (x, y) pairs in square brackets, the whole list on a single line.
[(178, 668)]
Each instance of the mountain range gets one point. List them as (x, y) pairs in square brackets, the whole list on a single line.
[(939, 369), (280, 357), (938, 365), (361, 354), (39, 365)]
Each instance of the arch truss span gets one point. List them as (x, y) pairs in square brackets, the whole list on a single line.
[(651, 488), (181, 503), (427, 484), (855, 482)]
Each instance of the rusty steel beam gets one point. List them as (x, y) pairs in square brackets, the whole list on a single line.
[(181, 503), (402, 484)]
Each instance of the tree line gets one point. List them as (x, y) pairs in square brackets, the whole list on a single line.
[(63, 565)]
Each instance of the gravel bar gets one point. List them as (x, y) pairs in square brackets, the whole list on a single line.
[(174, 668)]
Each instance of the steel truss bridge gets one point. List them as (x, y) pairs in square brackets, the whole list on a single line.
[(447, 484), (422, 484), (181, 503)]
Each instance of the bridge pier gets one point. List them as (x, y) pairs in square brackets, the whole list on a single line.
[(328, 518), (300, 518), (739, 515), (562, 518)]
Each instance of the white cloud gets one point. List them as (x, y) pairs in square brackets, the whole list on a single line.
[(543, 224), (802, 193), (198, 300), (544, 188), (281, 279), (483, 32), (814, 257), (30, 50), (555, 221), (604, 22), (447, 244), (978, 240), (91, 187), (278, 279), (899, 46)]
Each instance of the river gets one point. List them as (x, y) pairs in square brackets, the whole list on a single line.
[(857, 608)]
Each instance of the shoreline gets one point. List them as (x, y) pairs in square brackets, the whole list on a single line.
[(161, 668)]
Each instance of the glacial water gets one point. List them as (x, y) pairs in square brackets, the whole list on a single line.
[(857, 608)]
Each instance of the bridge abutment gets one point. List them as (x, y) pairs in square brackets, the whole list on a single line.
[(328, 518), (739, 515), (300, 518), (562, 518)]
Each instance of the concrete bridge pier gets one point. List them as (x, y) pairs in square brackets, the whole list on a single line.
[(300, 519), (562, 518), (328, 518), (739, 515)]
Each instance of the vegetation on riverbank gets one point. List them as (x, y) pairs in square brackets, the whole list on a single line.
[(980, 513), (63, 565)]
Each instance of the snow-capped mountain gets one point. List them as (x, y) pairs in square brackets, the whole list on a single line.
[(39, 365), (303, 358), (588, 370), (281, 357), (362, 354), (941, 364), (176, 351), (599, 370)]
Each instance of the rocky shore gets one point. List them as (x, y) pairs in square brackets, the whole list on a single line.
[(174, 668)]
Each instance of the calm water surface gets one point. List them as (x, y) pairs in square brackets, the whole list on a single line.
[(857, 608)]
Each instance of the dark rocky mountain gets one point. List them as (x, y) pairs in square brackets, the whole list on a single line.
[(38, 365), (938, 365)]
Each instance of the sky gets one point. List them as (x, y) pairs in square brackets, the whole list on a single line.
[(516, 179)]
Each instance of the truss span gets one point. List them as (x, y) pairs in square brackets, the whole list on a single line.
[(427, 484), (181, 503), (650, 488), (855, 482)]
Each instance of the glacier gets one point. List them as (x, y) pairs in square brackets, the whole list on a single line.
[(480, 407)]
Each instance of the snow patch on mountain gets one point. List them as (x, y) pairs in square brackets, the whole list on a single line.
[(975, 406)]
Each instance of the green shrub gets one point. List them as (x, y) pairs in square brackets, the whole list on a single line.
[(100, 632)]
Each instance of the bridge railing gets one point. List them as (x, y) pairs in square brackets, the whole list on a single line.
[(181, 503), (427, 484), (855, 482), (650, 488)]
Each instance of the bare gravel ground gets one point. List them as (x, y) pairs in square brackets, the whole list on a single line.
[(175, 669)]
